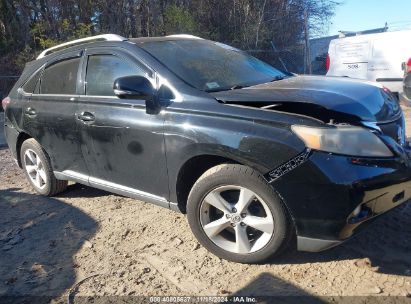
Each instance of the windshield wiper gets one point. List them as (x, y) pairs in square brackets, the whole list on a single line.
[(276, 78), (239, 86), (236, 87)]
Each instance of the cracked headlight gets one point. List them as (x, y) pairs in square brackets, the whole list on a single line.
[(347, 140)]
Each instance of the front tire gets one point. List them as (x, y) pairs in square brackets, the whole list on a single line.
[(237, 216), (37, 168)]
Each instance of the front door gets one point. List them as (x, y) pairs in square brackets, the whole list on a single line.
[(122, 144)]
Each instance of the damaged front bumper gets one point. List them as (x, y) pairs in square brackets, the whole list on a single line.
[(332, 197)]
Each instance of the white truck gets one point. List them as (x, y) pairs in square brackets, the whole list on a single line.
[(375, 57)]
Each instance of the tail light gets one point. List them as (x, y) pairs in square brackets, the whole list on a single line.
[(408, 67), (328, 62), (5, 102)]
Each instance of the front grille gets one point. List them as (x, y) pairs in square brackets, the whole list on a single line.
[(395, 130)]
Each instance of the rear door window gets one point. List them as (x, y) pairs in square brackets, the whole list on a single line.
[(60, 77), (103, 70)]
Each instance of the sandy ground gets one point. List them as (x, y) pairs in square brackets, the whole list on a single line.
[(121, 246), (2, 136)]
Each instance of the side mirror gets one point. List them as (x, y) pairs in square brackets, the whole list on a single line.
[(134, 87)]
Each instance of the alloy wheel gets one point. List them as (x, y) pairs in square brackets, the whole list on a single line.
[(35, 169), (236, 219)]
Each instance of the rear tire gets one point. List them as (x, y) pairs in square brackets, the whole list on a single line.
[(37, 168), (237, 216)]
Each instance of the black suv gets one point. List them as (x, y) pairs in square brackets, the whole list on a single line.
[(258, 159)]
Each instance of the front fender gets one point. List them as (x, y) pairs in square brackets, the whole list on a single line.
[(257, 143)]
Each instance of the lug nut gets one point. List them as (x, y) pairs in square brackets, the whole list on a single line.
[(228, 215), (243, 215), (242, 224), (232, 225), (234, 210)]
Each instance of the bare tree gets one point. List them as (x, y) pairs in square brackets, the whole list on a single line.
[(27, 26)]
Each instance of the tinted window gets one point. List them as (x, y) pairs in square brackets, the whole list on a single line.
[(103, 70), (211, 66), (60, 77), (30, 85)]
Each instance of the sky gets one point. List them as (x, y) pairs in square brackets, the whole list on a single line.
[(357, 15)]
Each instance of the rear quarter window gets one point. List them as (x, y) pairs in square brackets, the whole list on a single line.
[(60, 77), (30, 85)]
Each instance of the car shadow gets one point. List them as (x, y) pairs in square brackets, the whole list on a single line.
[(384, 247), (266, 288), (39, 238), (82, 191)]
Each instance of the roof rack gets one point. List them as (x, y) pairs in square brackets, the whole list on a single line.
[(184, 36), (105, 37)]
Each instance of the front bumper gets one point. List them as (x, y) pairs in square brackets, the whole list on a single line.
[(332, 197)]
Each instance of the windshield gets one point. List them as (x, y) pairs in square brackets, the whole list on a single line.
[(211, 66)]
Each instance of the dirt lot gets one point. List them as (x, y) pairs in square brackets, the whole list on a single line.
[(125, 247)]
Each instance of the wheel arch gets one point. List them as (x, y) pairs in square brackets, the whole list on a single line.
[(20, 139), (190, 172), (195, 166)]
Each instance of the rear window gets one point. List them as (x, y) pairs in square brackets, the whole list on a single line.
[(60, 77)]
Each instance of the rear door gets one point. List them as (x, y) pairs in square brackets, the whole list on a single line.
[(122, 144), (49, 115)]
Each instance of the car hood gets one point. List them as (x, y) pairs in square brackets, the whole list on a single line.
[(350, 98)]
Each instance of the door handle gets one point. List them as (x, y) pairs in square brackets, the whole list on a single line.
[(86, 117), (30, 112)]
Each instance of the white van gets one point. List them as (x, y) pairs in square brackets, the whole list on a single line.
[(374, 57)]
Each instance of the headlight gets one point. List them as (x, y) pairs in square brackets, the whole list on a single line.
[(347, 140)]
